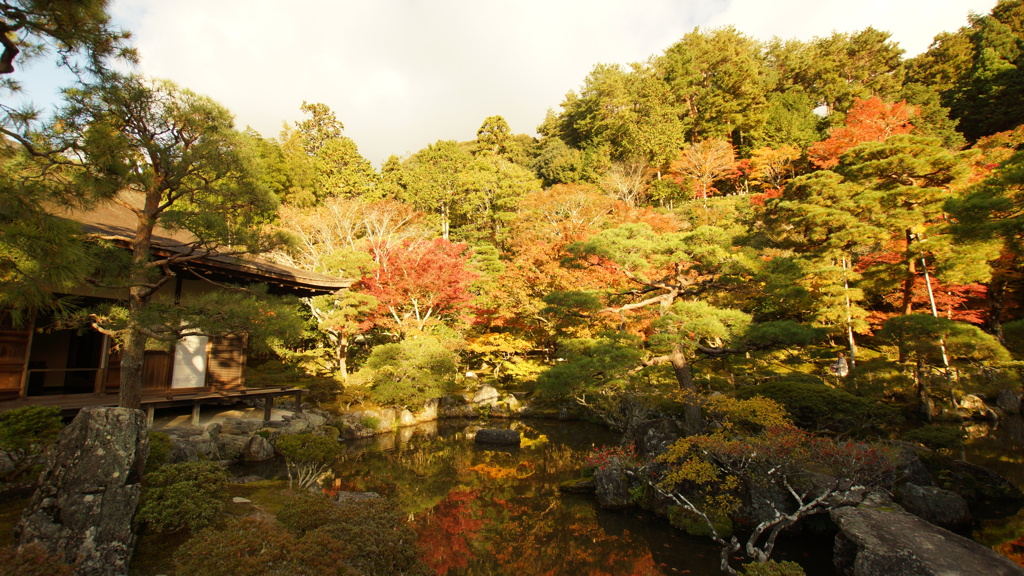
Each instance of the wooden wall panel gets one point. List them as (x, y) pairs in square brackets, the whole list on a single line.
[(226, 367)]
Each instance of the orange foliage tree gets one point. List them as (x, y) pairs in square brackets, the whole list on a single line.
[(870, 120)]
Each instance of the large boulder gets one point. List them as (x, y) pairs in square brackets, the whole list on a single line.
[(189, 444), (258, 449), (498, 437), (83, 510), (940, 507), (889, 542), (1008, 400), (975, 483), (612, 485), (231, 446), (486, 395), (653, 437)]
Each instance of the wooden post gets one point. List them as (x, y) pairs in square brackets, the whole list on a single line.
[(150, 410), (195, 414), (298, 401), (268, 407)]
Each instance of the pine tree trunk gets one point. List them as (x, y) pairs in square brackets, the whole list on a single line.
[(908, 282), (133, 356), (341, 355), (693, 422), (924, 400)]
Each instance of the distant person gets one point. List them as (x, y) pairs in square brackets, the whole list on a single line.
[(840, 367)]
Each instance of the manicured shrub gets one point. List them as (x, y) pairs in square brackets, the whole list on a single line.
[(937, 437), (308, 512), (409, 373), (242, 546), (26, 433), (816, 407), (307, 456), (378, 539), (182, 496), (159, 451), (363, 538)]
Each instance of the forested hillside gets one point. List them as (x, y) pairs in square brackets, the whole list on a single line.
[(727, 213)]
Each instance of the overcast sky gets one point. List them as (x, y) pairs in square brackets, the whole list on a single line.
[(401, 74)]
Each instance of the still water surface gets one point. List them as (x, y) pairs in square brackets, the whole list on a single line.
[(499, 512)]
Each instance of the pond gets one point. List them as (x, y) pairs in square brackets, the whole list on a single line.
[(498, 512)]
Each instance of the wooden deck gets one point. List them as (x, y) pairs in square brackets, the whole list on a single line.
[(70, 404)]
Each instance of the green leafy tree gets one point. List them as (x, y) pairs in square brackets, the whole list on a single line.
[(435, 181), (717, 84), (79, 31), (668, 275), (175, 161), (410, 372), (321, 162), (932, 341), (880, 195)]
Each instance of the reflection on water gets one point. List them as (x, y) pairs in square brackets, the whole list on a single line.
[(1000, 447), (498, 512)]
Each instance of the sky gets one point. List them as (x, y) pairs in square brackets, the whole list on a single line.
[(401, 74)]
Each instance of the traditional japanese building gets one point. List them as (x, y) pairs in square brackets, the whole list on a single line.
[(74, 368)]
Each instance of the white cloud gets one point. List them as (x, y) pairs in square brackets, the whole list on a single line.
[(403, 73)]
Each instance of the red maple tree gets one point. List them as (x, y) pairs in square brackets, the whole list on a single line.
[(421, 283)]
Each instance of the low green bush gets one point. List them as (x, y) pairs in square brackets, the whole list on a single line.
[(26, 433), (773, 568), (307, 456), (937, 437), (159, 451), (818, 408), (314, 537), (182, 496)]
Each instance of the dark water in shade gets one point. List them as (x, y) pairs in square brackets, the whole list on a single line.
[(498, 512)]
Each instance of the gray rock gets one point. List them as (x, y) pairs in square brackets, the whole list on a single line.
[(972, 406), (189, 444), (429, 412), (498, 437), (1008, 401), (231, 447), (612, 486), (82, 512), (938, 506), (881, 542), (239, 426), (486, 395), (909, 467), (240, 500), (653, 437), (513, 403), (258, 449), (405, 418)]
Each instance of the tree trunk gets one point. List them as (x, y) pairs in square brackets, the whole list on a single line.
[(341, 355), (908, 283), (924, 400), (693, 422), (133, 357), (133, 354), (996, 294)]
